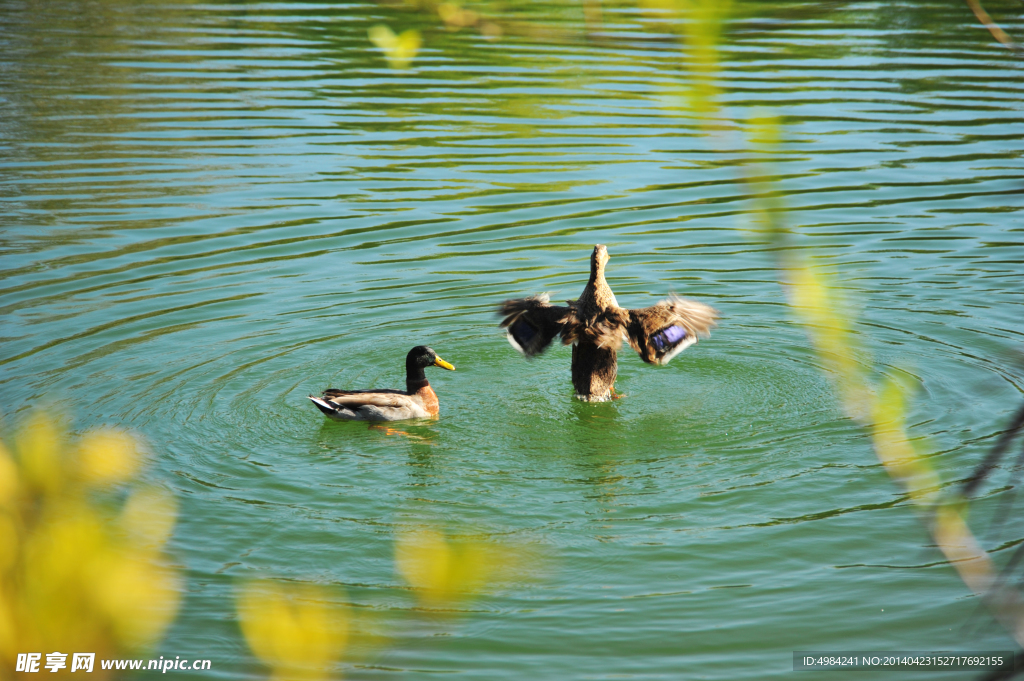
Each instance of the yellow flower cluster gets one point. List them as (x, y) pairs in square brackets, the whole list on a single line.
[(399, 49), (81, 571), (294, 629), (443, 571), (302, 631)]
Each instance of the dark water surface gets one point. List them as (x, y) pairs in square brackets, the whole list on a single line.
[(211, 210)]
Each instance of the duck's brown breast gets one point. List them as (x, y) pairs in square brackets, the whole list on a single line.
[(597, 296), (603, 296), (429, 398)]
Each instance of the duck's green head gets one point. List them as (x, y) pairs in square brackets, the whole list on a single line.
[(421, 357)]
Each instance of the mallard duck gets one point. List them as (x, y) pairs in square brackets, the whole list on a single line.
[(595, 325), (417, 401)]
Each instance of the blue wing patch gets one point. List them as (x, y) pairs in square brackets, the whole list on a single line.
[(668, 338)]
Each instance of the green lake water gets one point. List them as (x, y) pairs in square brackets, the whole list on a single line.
[(211, 210)]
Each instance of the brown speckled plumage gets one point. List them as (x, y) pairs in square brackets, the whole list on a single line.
[(595, 326)]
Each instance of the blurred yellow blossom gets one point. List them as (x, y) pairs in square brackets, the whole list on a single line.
[(109, 455), (764, 132), (699, 25), (148, 517), (456, 17), (702, 22), (294, 629), (895, 449), (764, 135), (958, 543), (9, 478), (71, 576), (38, 443), (822, 307), (399, 49), (443, 570)]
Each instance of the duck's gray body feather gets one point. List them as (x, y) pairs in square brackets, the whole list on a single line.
[(371, 405)]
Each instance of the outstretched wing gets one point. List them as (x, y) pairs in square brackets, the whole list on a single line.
[(660, 332), (532, 323)]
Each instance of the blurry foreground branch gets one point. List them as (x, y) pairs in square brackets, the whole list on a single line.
[(878, 402), (993, 28)]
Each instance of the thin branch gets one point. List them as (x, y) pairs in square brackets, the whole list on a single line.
[(1006, 505), (993, 28), (994, 455)]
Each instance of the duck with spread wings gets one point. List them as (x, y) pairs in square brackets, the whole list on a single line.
[(417, 401), (595, 325)]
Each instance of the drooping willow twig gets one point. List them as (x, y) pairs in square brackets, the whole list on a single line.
[(992, 459), (878, 406), (993, 28)]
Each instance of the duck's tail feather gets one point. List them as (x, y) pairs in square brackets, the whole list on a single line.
[(324, 406)]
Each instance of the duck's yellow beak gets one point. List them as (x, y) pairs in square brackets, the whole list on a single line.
[(438, 362)]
